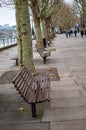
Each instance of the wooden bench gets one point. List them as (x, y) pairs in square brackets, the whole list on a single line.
[(33, 89), (15, 58), (43, 53)]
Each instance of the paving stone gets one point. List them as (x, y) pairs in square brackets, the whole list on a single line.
[(63, 82), (14, 98), (6, 89), (68, 125), (82, 77), (25, 126), (66, 87), (9, 85), (84, 86), (3, 106), (65, 94), (75, 65), (79, 68), (63, 69), (4, 98), (76, 60), (71, 78), (79, 73), (68, 102), (76, 70), (83, 93), (18, 117), (64, 114), (27, 107), (16, 105), (81, 81)]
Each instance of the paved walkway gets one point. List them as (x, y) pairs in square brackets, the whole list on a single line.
[(67, 108)]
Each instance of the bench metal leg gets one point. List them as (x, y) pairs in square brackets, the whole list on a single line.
[(17, 62), (33, 107), (44, 58)]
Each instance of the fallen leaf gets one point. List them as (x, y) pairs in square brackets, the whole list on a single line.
[(52, 76), (21, 109)]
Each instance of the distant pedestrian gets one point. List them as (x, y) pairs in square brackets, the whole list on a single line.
[(82, 33), (71, 33), (66, 34), (85, 32), (75, 33)]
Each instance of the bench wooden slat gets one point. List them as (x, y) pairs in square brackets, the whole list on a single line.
[(33, 89), (43, 84), (41, 92), (27, 89), (18, 75), (25, 78)]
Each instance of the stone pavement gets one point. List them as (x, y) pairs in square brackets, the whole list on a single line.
[(67, 107)]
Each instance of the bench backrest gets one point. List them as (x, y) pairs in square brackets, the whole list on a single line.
[(43, 53), (40, 51), (24, 84), (32, 89)]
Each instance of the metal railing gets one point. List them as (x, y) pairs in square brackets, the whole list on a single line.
[(7, 42)]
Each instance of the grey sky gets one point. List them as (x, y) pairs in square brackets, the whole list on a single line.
[(69, 1), (7, 16)]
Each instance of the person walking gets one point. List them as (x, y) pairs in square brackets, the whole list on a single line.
[(75, 33), (82, 33), (66, 34)]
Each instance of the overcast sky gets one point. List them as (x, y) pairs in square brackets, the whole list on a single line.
[(69, 1), (7, 16)]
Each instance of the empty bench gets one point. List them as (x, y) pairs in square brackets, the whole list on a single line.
[(43, 53), (15, 58), (33, 89)]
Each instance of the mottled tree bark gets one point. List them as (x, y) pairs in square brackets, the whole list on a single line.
[(48, 29), (24, 33), (43, 28), (36, 17)]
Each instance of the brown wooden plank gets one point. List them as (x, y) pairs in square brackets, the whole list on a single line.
[(32, 89)]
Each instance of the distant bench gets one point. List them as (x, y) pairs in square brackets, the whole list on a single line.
[(15, 58), (33, 89), (43, 53)]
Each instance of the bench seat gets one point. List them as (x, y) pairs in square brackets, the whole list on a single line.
[(33, 89), (43, 53), (15, 58)]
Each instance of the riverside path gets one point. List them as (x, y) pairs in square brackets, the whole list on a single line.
[(67, 107)]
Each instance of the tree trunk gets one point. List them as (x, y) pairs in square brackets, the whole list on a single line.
[(18, 21), (24, 33), (48, 29), (43, 28), (84, 13), (35, 11)]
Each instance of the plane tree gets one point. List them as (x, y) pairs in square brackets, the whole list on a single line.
[(43, 11), (66, 18), (81, 8)]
